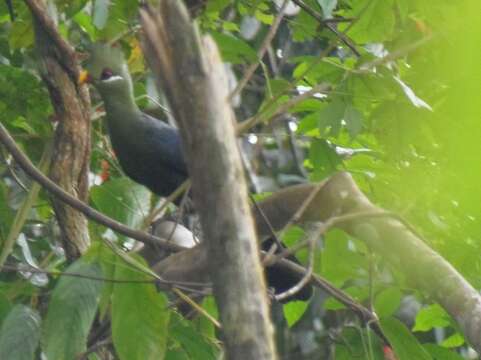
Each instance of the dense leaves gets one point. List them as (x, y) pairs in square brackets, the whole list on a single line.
[(140, 316), (401, 117), (20, 334), (71, 312)]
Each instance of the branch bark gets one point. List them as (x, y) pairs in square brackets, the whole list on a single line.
[(71, 155), (193, 79), (387, 236)]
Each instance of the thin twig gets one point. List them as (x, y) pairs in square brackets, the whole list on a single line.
[(260, 53), (161, 283), (306, 278), (329, 25), (322, 88)]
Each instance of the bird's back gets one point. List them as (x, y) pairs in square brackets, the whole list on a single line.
[(150, 153)]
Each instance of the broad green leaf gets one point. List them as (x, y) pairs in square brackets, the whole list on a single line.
[(304, 27), (264, 17), (323, 159), (453, 341), (441, 353), (333, 304), (328, 7), (70, 7), (5, 306), (24, 104), (430, 317), (6, 213), (140, 316), (375, 21), (122, 200), (71, 312), (294, 310), (331, 117), (120, 15), (20, 334), (353, 119), (21, 34), (387, 302), (355, 345), (202, 323), (177, 354), (405, 345), (184, 336), (85, 22), (233, 49), (339, 262), (217, 5)]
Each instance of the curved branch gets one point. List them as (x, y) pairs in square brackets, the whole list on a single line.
[(75, 203)]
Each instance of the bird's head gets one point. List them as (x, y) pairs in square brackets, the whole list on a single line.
[(107, 70)]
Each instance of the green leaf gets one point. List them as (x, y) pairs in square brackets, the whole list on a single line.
[(140, 316), (186, 337), (122, 200), (233, 49), (70, 7), (340, 262), (71, 312), (20, 334), (405, 345), (85, 22), (21, 34), (430, 317), (120, 15), (264, 17), (24, 101), (294, 310), (217, 5), (333, 304), (375, 21), (6, 213), (455, 340), (328, 7), (353, 119), (387, 302), (323, 158), (441, 353), (331, 117), (5, 306)]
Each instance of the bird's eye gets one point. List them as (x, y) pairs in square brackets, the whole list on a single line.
[(106, 74)]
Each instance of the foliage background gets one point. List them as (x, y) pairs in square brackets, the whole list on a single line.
[(407, 131)]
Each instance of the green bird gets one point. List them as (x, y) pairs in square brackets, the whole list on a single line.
[(149, 150)]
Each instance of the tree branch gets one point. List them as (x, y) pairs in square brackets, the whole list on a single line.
[(71, 156), (75, 203), (194, 81)]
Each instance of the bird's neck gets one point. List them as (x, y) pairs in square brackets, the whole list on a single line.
[(122, 112)]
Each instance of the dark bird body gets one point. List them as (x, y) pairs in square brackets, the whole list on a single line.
[(150, 154), (149, 151)]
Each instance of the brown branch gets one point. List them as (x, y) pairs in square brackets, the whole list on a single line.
[(75, 203), (71, 156), (192, 76), (400, 247)]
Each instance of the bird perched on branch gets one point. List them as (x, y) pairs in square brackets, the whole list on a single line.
[(149, 150)]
